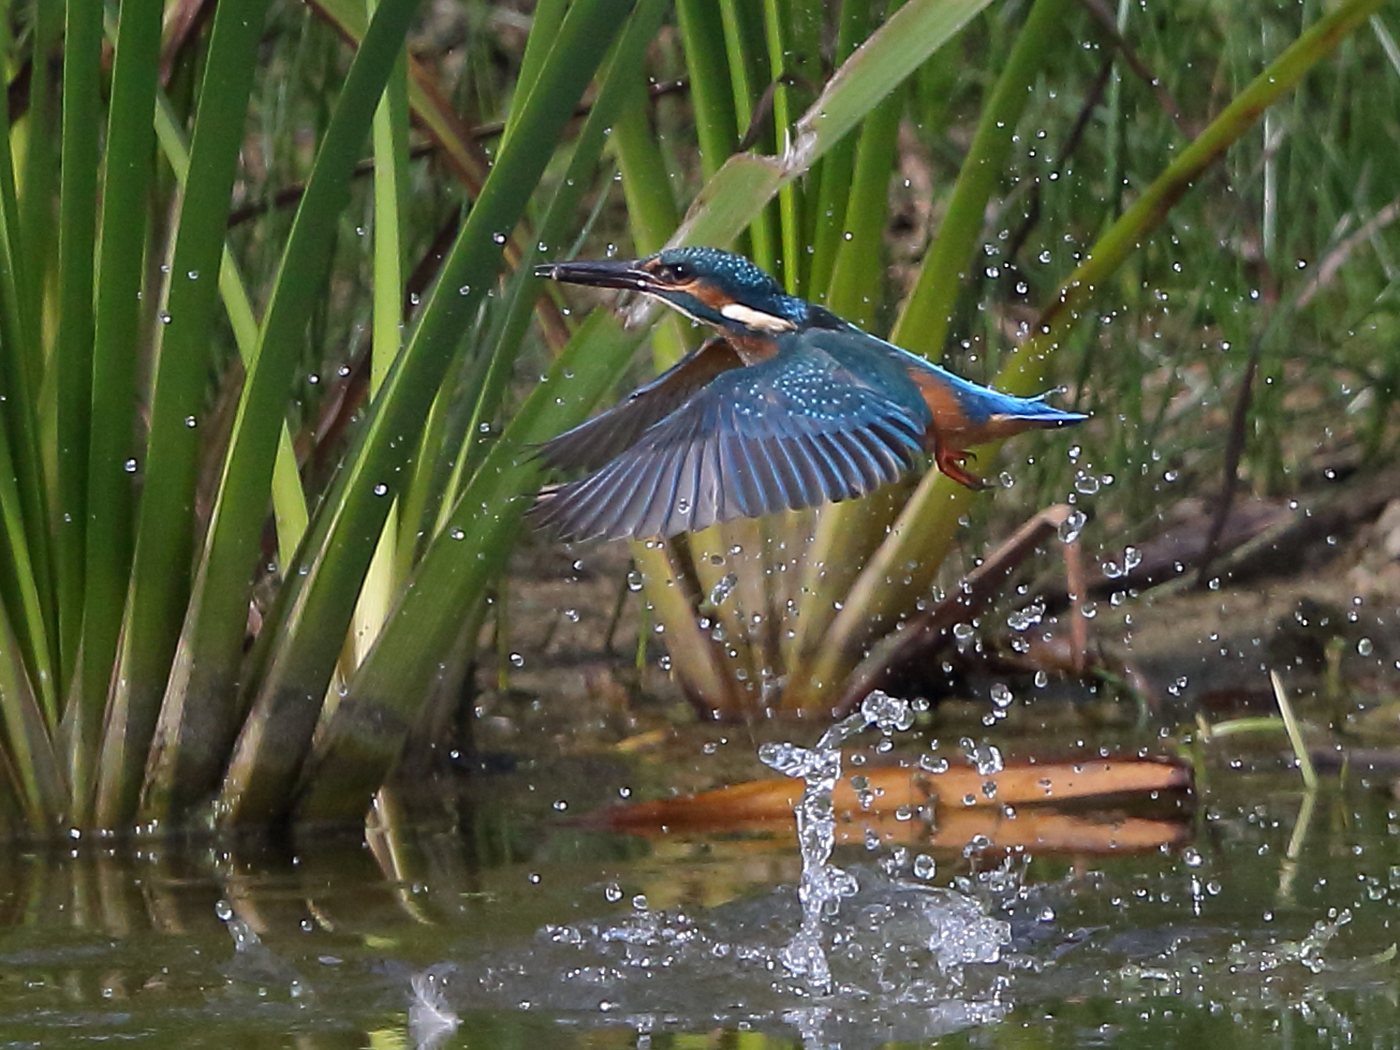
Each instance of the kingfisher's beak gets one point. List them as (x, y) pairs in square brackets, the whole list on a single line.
[(609, 273)]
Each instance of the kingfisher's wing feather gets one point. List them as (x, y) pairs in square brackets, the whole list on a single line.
[(792, 432), (590, 445), (836, 465)]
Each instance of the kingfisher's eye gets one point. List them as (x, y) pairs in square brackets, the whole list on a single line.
[(675, 273)]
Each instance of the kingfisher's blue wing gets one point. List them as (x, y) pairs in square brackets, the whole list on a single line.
[(796, 431), (591, 444)]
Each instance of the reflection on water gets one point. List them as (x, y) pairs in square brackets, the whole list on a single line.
[(1265, 932)]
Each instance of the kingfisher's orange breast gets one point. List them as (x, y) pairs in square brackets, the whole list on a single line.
[(752, 350), (949, 419)]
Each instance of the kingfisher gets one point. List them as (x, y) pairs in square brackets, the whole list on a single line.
[(787, 406)]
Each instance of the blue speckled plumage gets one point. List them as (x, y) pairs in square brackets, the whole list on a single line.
[(789, 407)]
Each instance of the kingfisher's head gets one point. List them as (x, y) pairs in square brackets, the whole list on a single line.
[(706, 284)]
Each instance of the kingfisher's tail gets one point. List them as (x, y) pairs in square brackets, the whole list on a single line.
[(1036, 412)]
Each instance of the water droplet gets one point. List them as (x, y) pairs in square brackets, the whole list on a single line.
[(130, 466), (723, 589), (1072, 526), (933, 764), (986, 757)]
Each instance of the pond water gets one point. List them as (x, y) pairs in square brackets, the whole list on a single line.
[(1270, 921)]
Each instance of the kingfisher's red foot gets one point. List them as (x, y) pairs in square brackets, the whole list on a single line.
[(950, 461)]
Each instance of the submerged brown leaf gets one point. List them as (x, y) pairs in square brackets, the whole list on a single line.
[(903, 793)]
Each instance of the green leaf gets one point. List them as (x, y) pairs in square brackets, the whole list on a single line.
[(114, 459), (72, 356), (27, 742), (740, 189), (207, 661), (702, 35), (160, 574), (364, 737), (351, 758), (321, 588)]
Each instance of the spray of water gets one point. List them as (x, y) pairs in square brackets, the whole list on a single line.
[(823, 884)]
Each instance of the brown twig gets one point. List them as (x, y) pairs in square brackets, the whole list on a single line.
[(1234, 449), (929, 631), (1081, 121), (1077, 584), (763, 110), (1100, 13), (183, 22), (291, 195), (1333, 260)]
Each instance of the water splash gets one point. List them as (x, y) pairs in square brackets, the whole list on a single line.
[(823, 884), (904, 961), (431, 1021)]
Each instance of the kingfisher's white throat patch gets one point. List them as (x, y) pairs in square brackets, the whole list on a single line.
[(747, 315)]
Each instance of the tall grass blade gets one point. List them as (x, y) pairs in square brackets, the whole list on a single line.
[(114, 457), (26, 654), (834, 173), (40, 131), (27, 580), (28, 744), (160, 574), (390, 136), (545, 24), (207, 660), (71, 367), (364, 738), (289, 511), (711, 100), (181, 746), (744, 185), (321, 589), (789, 219)]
